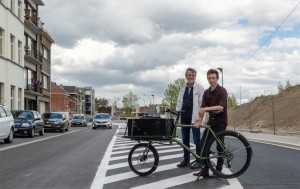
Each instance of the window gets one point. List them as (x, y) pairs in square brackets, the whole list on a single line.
[(12, 47), (19, 98), (1, 93), (12, 5), (45, 82), (19, 9), (1, 41), (20, 52), (12, 97), (46, 53)]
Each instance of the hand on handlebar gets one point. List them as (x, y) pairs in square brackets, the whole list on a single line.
[(197, 124)]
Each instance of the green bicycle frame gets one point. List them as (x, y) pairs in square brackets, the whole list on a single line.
[(198, 157)]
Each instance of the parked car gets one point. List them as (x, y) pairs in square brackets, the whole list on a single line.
[(55, 121), (102, 120), (6, 125), (28, 122), (78, 120)]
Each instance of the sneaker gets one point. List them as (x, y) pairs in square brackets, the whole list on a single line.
[(196, 165), (183, 164)]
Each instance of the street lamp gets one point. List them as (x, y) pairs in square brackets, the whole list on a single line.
[(149, 103), (153, 104), (221, 70)]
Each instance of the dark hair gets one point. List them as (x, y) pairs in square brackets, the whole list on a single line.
[(213, 71), (191, 70)]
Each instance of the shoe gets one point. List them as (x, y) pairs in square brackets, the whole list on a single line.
[(201, 174), (196, 165), (183, 164)]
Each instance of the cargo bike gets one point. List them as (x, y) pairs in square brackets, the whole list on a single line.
[(229, 147)]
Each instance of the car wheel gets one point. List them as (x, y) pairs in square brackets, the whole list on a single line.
[(42, 132), (31, 135), (94, 127), (110, 127), (67, 129), (10, 137)]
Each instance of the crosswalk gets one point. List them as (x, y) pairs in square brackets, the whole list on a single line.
[(114, 171)]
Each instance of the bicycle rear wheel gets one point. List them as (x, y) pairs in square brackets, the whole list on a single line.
[(143, 159), (232, 160)]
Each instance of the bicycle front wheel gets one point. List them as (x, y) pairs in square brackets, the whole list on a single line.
[(229, 154), (143, 159)]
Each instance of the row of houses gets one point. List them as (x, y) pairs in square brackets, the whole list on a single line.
[(25, 56), (76, 100), (25, 64)]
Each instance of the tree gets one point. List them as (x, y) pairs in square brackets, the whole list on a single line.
[(231, 101), (171, 93), (129, 101), (280, 87), (287, 84), (102, 106)]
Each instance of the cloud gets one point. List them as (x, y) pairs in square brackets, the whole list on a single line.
[(142, 46)]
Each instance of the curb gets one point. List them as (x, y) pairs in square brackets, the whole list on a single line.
[(282, 144)]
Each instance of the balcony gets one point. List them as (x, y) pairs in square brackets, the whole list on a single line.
[(32, 21), (33, 89), (39, 2), (33, 56)]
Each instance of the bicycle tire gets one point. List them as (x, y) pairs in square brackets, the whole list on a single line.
[(142, 164), (236, 158)]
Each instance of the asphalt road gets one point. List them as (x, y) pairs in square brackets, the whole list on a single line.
[(86, 158)]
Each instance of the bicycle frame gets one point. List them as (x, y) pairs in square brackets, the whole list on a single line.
[(201, 156)]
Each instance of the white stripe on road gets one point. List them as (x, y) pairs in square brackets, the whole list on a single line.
[(120, 165), (127, 175), (167, 183), (39, 140), (160, 152), (101, 172)]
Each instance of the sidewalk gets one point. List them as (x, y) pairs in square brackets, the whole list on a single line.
[(285, 141)]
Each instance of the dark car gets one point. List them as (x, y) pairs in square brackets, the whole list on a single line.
[(28, 122), (55, 121), (78, 120), (102, 120)]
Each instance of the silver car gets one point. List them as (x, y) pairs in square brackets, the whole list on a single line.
[(102, 120), (6, 125)]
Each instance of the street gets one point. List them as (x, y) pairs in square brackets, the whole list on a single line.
[(86, 158)]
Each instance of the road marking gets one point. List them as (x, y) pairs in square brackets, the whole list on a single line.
[(160, 152), (166, 183), (101, 172), (274, 143), (39, 140), (127, 175)]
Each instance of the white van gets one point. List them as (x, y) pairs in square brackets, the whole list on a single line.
[(6, 125)]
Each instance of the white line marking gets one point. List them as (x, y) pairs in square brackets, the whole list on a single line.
[(127, 175), (160, 152), (274, 143), (166, 183), (39, 140), (101, 172), (233, 183), (120, 165)]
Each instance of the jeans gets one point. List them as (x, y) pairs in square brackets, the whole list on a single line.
[(185, 131), (216, 128)]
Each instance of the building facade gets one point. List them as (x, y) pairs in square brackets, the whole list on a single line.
[(37, 62), (11, 54), (89, 97), (77, 94)]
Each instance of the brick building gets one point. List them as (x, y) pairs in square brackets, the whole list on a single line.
[(61, 101)]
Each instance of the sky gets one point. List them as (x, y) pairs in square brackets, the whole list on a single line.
[(142, 46)]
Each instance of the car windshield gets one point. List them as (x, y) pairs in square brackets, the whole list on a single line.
[(78, 117), (52, 116), (102, 116), (22, 114)]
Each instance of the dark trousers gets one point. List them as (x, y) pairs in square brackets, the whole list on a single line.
[(216, 128), (185, 131)]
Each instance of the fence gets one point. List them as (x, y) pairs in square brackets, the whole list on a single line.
[(268, 115)]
